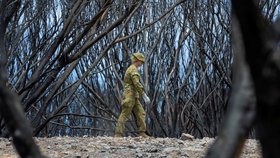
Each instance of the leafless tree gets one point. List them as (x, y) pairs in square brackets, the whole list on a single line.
[(256, 91), (66, 61), (10, 108)]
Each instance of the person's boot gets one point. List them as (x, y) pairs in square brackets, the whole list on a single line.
[(144, 135), (118, 135)]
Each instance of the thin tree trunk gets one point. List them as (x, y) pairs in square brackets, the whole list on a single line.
[(10, 107)]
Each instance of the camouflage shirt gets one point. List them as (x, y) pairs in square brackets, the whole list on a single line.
[(132, 82)]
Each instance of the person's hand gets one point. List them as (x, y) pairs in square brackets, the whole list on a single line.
[(146, 99)]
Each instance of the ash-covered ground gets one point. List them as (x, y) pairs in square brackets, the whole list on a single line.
[(126, 147)]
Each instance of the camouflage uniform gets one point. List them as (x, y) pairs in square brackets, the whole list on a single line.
[(133, 89)]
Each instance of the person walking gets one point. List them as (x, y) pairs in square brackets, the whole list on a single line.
[(133, 90)]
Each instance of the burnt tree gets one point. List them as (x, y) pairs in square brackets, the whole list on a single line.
[(256, 51), (10, 108)]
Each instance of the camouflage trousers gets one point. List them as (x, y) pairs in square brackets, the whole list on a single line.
[(129, 105)]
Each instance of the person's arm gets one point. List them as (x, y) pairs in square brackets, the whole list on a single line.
[(136, 82), (139, 87)]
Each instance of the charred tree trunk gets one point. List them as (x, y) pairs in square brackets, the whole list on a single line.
[(257, 44), (10, 108), (262, 56)]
